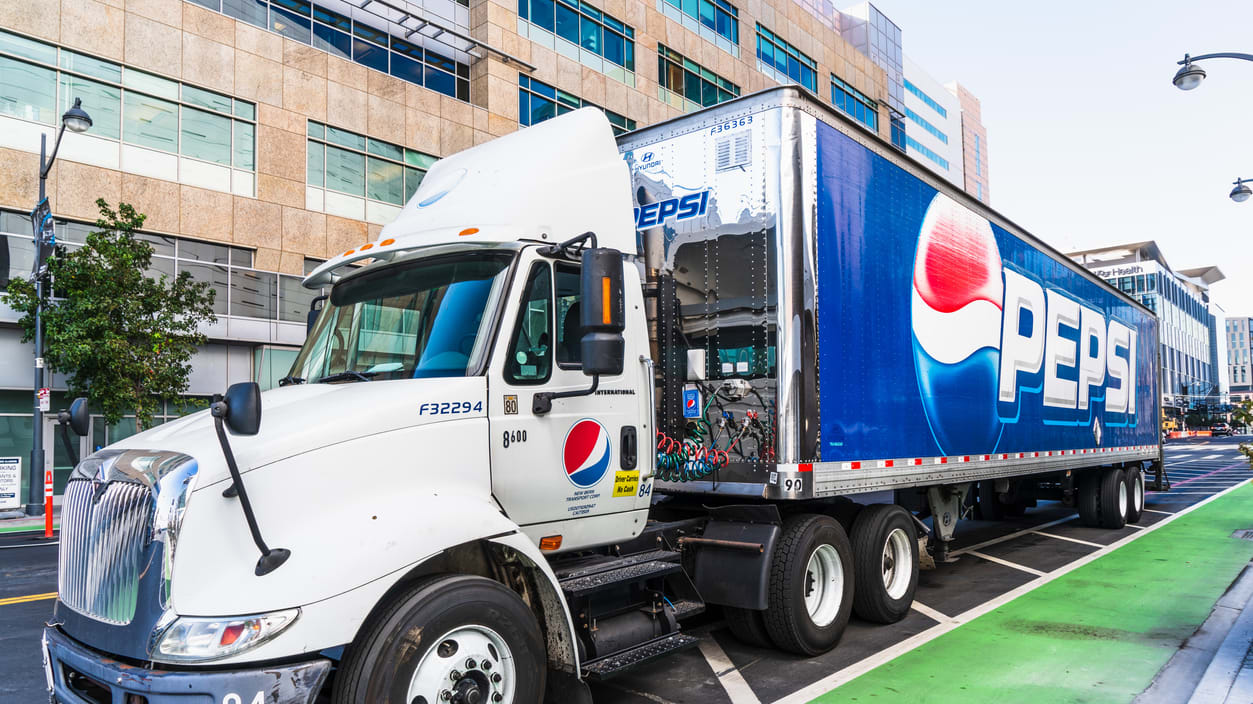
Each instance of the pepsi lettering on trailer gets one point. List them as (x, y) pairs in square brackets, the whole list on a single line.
[(678, 209), (957, 337)]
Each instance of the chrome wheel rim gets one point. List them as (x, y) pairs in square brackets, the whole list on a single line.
[(467, 665), (1138, 495), (898, 565), (824, 585), (1122, 497)]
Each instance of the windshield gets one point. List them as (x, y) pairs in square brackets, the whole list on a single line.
[(423, 318)]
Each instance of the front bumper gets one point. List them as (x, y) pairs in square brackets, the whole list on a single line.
[(79, 675)]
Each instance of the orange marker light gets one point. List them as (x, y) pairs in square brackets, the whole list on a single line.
[(606, 315), (469, 231), (386, 242), (551, 542), (366, 246), (348, 252)]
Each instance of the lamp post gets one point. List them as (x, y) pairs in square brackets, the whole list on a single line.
[(1241, 192), (76, 120), (1189, 77)]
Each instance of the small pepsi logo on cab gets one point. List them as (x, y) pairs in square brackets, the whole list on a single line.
[(691, 403), (585, 453)]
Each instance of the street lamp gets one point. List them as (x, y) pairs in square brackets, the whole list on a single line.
[(1189, 77), (1241, 192), (75, 120)]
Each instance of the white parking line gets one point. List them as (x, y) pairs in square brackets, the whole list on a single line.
[(728, 675), (1011, 536), (1132, 525), (1007, 563), (1167, 513), (861, 667), (1072, 540), (930, 612)]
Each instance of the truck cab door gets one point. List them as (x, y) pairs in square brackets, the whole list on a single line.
[(582, 470)]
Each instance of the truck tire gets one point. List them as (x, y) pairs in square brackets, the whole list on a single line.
[(411, 649), (1135, 494), (885, 562), (749, 626), (990, 507), (810, 595), (1114, 498), (1088, 498)]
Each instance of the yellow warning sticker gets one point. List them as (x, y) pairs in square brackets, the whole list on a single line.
[(626, 483)]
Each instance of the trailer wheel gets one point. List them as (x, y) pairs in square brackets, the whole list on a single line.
[(885, 560), (1135, 494), (1088, 498), (454, 638), (990, 507), (1114, 498), (811, 585), (749, 626)]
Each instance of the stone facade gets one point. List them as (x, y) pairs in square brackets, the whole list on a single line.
[(292, 82), (974, 144)]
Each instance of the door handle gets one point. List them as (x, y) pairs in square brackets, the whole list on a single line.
[(630, 447)]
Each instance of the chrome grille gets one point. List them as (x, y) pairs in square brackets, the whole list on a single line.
[(103, 547)]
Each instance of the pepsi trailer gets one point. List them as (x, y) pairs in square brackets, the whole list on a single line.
[(582, 390)]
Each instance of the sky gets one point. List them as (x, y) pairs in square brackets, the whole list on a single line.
[(1089, 143)]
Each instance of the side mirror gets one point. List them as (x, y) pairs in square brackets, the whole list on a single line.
[(76, 417), (603, 312), (243, 408), (315, 308)]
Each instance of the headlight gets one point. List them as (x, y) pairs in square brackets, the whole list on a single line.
[(198, 639)]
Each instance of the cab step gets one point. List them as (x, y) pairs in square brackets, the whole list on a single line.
[(618, 663), (686, 608), (582, 586), (584, 568)]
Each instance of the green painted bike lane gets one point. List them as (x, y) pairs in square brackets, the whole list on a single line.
[(1097, 634)]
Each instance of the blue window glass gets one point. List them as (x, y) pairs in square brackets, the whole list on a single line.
[(592, 36), (776, 54), (615, 48), (538, 101), (567, 23), (406, 68), (926, 98), (332, 41), (542, 14), (250, 11), (523, 8), (854, 103), (440, 81), (289, 24)]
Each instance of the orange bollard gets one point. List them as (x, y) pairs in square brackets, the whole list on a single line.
[(48, 504)]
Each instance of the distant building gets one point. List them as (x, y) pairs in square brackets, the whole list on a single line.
[(1239, 367), (933, 125), (974, 143), (1193, 355)]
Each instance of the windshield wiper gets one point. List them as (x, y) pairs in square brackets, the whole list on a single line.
[(291, 380), (346, 375)]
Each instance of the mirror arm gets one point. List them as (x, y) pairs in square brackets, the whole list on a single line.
[(271, 558), (542, 402), (65, 439)]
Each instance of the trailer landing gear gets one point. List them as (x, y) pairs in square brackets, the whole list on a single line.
[(945, 502)]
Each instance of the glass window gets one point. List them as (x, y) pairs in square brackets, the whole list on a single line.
[(102, 102), (542, 14), (206, 136), (204, 251), (316, 161), (245, 109), (413, 178), (592, 36), (96, 68), (28, 48), (344, 138), (385, 181), (294, 299), (28, 91), (213, 275), (688, 79), (241, 256), (289, 22), (530, 358), (385, 149), (150, 122), (206, 99), (569, 326), (253, 293), (567, 23), (332, 41), (250, 11), (345, 171), (420, 318), (245, 145), (148, 83)]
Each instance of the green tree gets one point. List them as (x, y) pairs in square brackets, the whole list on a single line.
[(1242, 416), (122, 335)]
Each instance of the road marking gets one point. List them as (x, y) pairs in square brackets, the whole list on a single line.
[(1073, 540), (930, 612), (1132, 525), (1011, 536), (28, 597), (1168, 513), (29, 545), (1172, 492), (728, 675), (1007, 563), (861, 667)]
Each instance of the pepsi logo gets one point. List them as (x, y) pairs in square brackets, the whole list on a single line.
[(986, 334), (691, 403), (585, 453), (956, 317)]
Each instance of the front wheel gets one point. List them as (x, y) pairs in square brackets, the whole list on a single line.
[(456, 639), (811, 585)]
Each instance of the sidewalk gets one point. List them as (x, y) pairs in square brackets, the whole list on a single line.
[(1100, 633), (21, 523)]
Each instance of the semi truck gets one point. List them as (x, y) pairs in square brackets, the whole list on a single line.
[(753, 360)]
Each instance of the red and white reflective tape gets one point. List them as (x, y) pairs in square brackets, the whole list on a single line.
[(960, 459)]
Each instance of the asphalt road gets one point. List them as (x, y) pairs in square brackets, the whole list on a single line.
[(996, 558)]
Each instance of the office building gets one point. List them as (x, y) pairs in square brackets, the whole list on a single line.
[(933, 125), (1239, 367), (1193, 354)]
